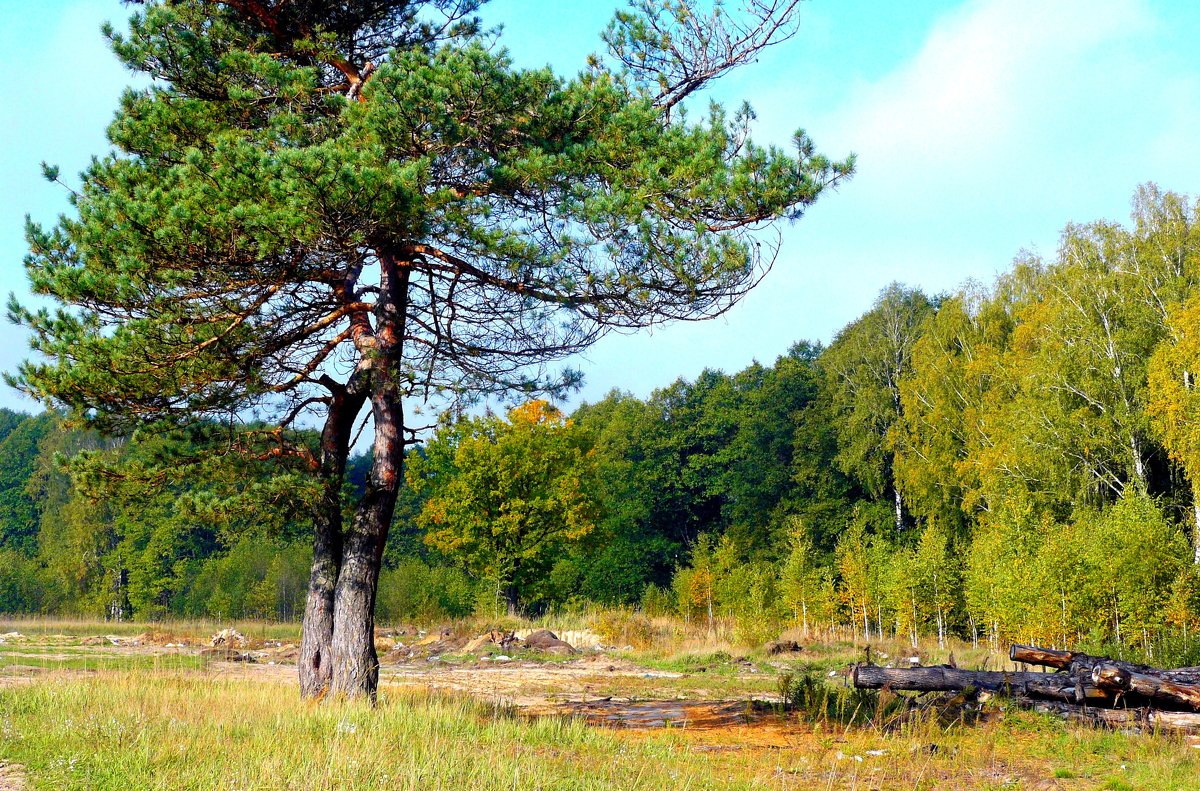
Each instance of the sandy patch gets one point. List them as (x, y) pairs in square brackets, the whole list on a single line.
[(12, 777)]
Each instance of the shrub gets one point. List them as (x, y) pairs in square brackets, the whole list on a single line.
[(622, 627), (415, 591)]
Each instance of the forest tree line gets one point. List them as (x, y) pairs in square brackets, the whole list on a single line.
[(1013, 460)]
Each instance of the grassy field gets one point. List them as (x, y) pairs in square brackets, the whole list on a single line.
[(101, 716)]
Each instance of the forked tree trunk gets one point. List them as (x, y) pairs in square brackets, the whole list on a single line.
[(315, 663), (355, 663)]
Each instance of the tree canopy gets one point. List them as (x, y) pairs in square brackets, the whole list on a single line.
[(505, 497)]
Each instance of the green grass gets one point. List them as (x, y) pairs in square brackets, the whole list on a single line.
[(189, 730), (93, 661), (146, 731)]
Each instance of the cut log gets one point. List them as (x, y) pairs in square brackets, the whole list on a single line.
[(1045, 657), (940, 678), (1110, 676), (1048, 686), (1150, 719), (1076, 663)]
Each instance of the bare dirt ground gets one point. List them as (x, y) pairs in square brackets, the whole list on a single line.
[(534, 684), (12, 777)]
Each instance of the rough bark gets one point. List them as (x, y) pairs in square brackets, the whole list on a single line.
[(1160, 690), (315, 662), (316, 635), (1046, 657), (945, 679), (355, 663), (1082, 664), (1041, 686)]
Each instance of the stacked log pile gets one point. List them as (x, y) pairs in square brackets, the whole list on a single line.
[(1090, 688)]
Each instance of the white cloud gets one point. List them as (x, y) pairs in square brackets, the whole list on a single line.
[(982, 82), (1010, 119)]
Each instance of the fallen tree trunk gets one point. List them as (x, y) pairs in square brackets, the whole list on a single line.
[(1092, 689), (1045, 657), (1147, 718), (1110, 676), (1074, 662), (1050, 686), (936, 679)]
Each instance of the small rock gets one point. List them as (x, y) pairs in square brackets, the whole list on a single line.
[(547, 641)]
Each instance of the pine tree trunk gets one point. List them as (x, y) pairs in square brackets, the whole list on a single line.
[(355, 663), (315, 662), (316, 635)]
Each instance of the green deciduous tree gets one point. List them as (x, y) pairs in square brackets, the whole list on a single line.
[(947, 397), (506, 497), (864, 368), (805, 582)]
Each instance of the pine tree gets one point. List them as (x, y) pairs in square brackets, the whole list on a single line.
[(325, 208)]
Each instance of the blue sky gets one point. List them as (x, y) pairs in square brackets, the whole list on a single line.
[(981, 127)]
